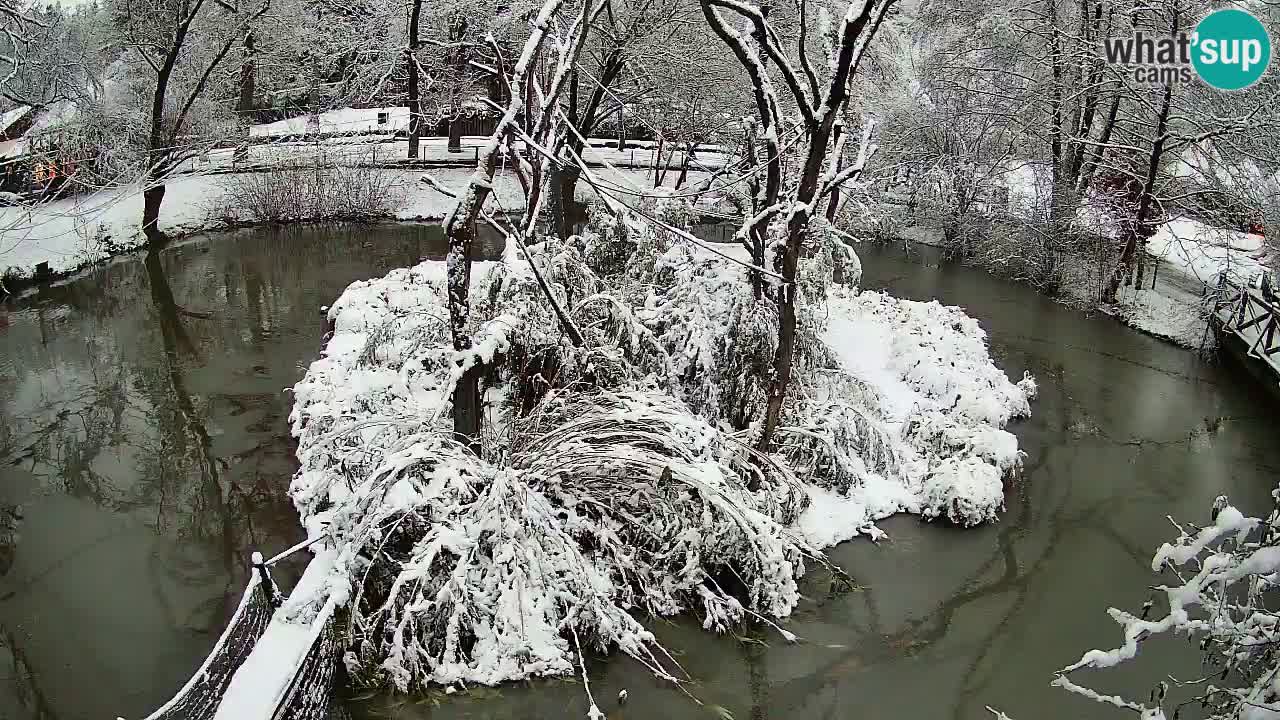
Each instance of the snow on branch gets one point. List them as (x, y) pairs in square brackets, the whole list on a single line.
[(1223, 595), (835, 177)]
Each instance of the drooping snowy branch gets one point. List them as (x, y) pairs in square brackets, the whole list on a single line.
[(1225, 576)]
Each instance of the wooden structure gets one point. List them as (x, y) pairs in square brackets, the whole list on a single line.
[(300, 682), (1251, 317)]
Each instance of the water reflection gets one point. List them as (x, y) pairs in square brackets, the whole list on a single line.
[(144, 452)]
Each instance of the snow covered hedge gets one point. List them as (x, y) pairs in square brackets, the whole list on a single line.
[(619, 476)]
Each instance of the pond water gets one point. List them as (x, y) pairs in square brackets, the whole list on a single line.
[(144, 452)]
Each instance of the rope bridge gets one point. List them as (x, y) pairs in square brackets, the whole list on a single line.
[(283, 680)]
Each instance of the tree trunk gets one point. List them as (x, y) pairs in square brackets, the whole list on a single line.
[(564, 180), (244, 106), (834, 203), (457, 31), (152, 197), (564, 183), (1058, 198), (1086, 172), (466, 394), (657, 161), (414, 100), (622, 127), (684, 166), (1137, 229), (455, 132), (797, 231), (757, 234)]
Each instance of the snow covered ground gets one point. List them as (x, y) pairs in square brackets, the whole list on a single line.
[(1190, 255), (1201, 252), (84, 229)]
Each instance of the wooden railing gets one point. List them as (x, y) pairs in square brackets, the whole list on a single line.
[(311, 682), (1252, 315)]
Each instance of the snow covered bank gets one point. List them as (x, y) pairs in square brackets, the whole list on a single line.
[(942, 401), (613, 481), (1190, 255), (1202, 252), (82, 230), (1184, 256)]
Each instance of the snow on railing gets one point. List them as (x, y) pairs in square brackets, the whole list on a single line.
[(199, 698), (309, 685), (310, 691), (289, 671)]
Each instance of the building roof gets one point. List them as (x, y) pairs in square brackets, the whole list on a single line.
[(9, 117), (10, 148)]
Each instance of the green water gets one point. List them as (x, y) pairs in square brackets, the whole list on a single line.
[(144, 452)]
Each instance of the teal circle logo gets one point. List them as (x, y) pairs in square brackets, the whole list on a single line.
[(1231, 49)]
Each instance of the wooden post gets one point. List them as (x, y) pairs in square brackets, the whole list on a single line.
[(264, 575)]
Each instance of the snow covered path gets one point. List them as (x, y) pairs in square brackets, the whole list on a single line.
[(292, 664)]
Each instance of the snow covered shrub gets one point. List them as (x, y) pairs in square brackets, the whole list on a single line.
[(478, 573), (1221, 591), (626, 248), (606, 243), (607, 496), (107, 142), (964, 490), (943, 403), (1032, 252), (742, 361), (304, 192), (477, 577), (669, 206), (828, 260), (619, 474), (612, 504), (835, 438), (652, 245)]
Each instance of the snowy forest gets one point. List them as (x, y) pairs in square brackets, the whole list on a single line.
[(598, 318)]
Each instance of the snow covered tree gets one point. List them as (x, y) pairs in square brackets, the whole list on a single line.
[(182, 42), (460, 225), (819, 104), (48, 54), (1155, 128), (961, 146), (628, 64), (19, 32)]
